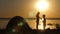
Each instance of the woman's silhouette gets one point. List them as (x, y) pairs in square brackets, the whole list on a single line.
[(37, 20)]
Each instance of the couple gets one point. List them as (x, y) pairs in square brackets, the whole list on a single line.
[(37, 20)]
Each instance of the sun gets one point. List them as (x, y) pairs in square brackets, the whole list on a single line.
[(42, 5)]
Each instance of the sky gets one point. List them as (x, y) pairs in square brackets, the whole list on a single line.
[(25, 8)]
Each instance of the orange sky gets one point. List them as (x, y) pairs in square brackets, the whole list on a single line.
[(25, 8)]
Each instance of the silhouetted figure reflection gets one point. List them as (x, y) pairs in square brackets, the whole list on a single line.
[(44, 21), (18, 25), (37, 20)]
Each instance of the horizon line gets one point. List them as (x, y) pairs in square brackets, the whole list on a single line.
[(33, 18)]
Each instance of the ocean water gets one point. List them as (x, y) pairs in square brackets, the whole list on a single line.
[(53, 23), (32, 23)]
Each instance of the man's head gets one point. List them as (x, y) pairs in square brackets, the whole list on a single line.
[(43, 15), (38, 13)]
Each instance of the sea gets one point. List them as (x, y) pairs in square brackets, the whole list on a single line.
[(50, 22)]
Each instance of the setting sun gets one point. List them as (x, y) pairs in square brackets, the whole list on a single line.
[(42, 5)]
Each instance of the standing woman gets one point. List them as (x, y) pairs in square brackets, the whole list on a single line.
[(37, 20)]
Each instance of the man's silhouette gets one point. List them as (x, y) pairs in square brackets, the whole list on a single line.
[(44, 21), (37, 20)]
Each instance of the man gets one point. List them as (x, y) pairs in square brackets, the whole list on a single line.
[(44, 22)]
